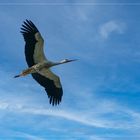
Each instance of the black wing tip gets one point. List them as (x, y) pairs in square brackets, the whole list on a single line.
[(54, 101), (54, 93), (27, 21), (28, 27)]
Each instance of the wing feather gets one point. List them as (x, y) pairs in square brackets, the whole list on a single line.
[(54, 93), (34, 43), (54, 98), (34, 54), (49, 74)]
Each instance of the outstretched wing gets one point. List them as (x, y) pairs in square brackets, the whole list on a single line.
[(34, 43), (51, 83), (34, 54)]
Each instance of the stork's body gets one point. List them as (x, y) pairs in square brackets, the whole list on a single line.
[(39, 65)]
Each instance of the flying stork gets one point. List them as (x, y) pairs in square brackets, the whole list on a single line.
[(39, 65)]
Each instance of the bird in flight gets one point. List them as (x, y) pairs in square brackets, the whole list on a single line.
[(39, 65)]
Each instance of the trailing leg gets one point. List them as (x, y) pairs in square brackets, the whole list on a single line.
[(26, 72)]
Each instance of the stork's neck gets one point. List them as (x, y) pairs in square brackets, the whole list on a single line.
[(58, 63), (62, 62)]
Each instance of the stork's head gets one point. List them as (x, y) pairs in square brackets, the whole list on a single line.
[(67, 60)]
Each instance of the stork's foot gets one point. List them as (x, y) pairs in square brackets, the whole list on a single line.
[(16, 76), (26, 72)]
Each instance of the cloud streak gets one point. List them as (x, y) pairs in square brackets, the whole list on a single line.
[(77, 117), (80, 117), (109, 27)]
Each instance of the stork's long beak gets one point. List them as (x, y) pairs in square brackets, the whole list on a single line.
[(72, 60), (66, 61)]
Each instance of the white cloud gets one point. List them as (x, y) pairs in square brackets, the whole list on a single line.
[(94, 119), (94, 111), (73, 116), (109, 27)]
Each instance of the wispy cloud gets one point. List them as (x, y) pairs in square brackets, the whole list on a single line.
[(29, 136), (109, 27), (85, 118), (101, 113), (72, 116)]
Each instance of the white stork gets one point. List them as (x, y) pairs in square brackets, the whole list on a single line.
[(39, 66)]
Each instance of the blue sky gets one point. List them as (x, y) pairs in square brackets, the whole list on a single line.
[(101, 90)]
